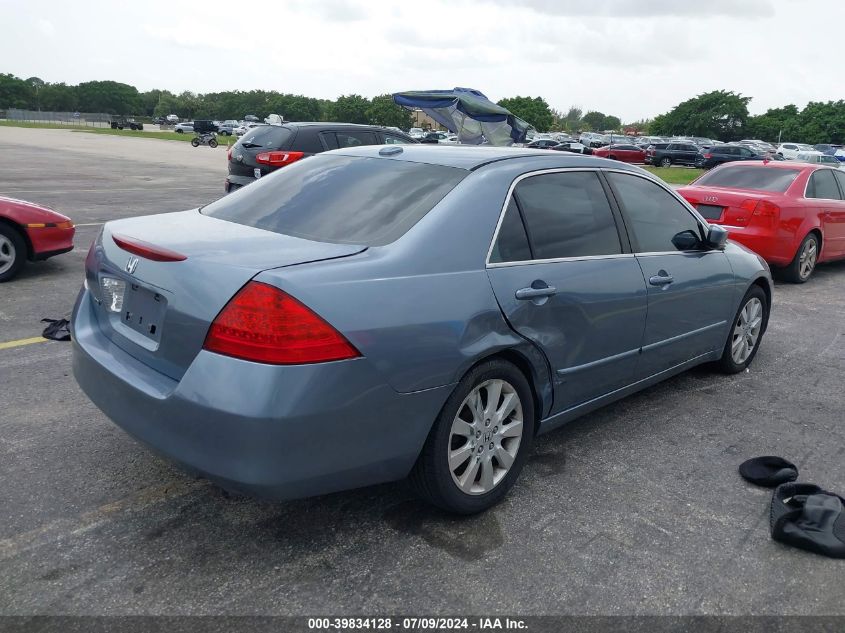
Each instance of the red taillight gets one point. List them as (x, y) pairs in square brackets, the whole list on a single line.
[(708, 156), (229, 154), (760, 208), (147, 250), (278, 159), (265, 325)]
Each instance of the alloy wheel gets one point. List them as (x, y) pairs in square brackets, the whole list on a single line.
[(807, 259), (7, 254), (747, 331), (485, 437)]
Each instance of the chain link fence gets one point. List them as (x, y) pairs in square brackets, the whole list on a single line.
[(83, 119)]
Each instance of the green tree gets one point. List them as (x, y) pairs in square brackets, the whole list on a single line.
[(15, 92), (776, 123), (534, 110), (384, 111), (58, 98), (822, 122), (719, 114), (108, 96), (594, 120), (349, 109)]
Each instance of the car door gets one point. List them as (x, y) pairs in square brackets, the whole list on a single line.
[(688, 154), (690, 289), (567, 281), (355, 138), (824, 188)]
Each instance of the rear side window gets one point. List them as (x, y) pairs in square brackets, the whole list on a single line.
[(656, 217), (823, 185), (340, 199), (393, 139), (266, 137), (755, 178), (512, 241), (567, 215), (355, 138)]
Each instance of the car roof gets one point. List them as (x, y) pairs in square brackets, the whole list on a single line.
[(472, 157), (333, 125)]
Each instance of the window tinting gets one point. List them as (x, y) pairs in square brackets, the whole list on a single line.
[(656, 217), (354, 138), (568, 215), (823, 185), (840, 176), (744, 177), (512, 242), (266, 137), (342, 199), (392, 139)]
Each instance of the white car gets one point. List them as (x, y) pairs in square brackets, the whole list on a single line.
[(790, 151), (181, 128), (416, 132), (819, 158), (172, 118), (242, 129)]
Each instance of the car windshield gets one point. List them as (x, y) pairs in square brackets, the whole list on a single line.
[(745, 177), (340, 199), (266, 136)]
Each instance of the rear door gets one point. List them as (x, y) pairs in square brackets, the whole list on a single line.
[(569, 282), (687, 154), (824, 188), (690, 290)]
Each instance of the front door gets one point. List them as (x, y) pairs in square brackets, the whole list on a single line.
[(690, 289), (568, 284)]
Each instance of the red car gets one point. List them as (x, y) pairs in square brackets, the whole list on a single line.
[(624, 153), (30, 232), (791, 214)]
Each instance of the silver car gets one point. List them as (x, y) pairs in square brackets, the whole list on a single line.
[(376, 313)]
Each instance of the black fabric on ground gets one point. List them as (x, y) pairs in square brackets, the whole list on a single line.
[(768, 471), (57, 330), (807, 517)]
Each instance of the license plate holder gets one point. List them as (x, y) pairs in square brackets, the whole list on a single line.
[(710, 211), (143, 311)]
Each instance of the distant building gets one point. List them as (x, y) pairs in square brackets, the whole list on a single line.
[(422, 120)]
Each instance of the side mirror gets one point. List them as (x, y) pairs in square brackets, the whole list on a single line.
[(717, 236)]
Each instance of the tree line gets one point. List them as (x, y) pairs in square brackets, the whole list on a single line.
[(720, 114)]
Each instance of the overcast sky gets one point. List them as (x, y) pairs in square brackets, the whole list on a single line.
[(631, 58)]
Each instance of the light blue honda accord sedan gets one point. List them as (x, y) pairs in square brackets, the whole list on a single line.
[(376, 313)]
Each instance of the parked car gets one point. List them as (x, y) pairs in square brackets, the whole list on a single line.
[(546, 143), (226, 129), (376, 313), (646, 141), (720, 154), (624, 153), (826, 148), (668, 154), (266, 148), (819, 158), (251, 118), (172, 118), (181, 128), (790, 150), (443, 138), (792, 214), (573, 147), (29, 231), (766, 147), (416, 133), (245, 127)]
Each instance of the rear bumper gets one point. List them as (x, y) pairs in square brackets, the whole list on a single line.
[(269, 431), (49, 241)]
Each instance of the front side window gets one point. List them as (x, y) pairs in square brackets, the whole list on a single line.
[(823, 185), (567, 215), (659, 222)]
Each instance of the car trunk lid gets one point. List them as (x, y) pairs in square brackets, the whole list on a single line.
[(160, 311), (724, 206)]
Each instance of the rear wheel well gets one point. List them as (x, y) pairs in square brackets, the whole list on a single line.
[(524, 366), (818, 233), (30, 253)]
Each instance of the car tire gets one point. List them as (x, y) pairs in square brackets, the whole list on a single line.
[(666, 162), (483, 477), (212, 143), (12, 252), (801, 267), (180, 131), (746, 333)]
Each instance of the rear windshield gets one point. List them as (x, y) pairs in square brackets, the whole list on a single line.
[(266, 137), (340, 199), (756, 178)]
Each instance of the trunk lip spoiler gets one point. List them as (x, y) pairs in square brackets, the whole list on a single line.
[(146, 249)]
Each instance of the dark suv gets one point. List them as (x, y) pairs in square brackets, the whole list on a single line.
[(266, 148), (719, 154), (667, 154)]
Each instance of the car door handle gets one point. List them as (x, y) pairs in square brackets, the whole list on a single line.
[(534, 293), (661, 280)]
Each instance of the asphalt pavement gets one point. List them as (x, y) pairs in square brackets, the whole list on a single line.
[(635, 509)]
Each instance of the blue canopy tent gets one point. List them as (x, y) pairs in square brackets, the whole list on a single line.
[(467, 113)]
